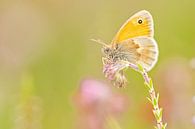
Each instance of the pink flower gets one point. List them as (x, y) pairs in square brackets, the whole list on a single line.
[(114, 72), (96, 102)]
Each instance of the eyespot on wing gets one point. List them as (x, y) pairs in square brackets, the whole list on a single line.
[(140, 24)]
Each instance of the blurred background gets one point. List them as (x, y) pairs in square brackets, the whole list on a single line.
[(45, 53)]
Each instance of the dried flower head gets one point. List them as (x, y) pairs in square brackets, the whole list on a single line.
[(114, 71)]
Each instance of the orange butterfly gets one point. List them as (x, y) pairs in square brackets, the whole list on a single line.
[(133, 43)]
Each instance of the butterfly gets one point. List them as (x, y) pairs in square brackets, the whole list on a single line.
[(134, 43)]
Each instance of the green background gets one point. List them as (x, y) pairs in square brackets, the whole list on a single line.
[(45, 52)]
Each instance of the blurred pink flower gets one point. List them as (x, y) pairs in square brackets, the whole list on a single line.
[(95, 102), (193, 99), (193, 118), (175, 82), (192, 63)]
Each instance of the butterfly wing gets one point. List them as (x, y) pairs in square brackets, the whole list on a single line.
[(140, 24), (140, 50)]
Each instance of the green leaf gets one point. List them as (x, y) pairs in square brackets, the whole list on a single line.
[(155, 102), (151, 83), (146, 84), (141, 69), (156, 115), (164, 126), (160, 114), (149, 100)]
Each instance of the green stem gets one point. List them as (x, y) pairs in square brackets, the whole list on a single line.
[(112, 123), (154, 98)]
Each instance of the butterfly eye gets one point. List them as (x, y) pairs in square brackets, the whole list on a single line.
[(106, 50), (139, 21)]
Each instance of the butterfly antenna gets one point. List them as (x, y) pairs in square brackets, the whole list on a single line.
[(99, 41)]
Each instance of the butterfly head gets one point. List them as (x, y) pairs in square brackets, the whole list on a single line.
[(113, 65), (111, 54), (107, 51)]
